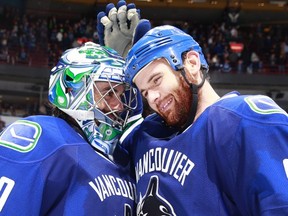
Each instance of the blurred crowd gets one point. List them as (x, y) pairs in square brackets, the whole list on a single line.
[(39, 41), (228, 46)]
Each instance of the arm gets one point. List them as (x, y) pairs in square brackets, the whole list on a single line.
[(248, 163)]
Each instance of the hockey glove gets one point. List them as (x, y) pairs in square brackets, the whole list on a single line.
[(116, 27)]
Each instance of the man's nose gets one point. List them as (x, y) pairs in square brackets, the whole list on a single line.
[(152, 96), (116, 104)]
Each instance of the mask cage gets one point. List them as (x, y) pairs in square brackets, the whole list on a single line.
[(114, 118)]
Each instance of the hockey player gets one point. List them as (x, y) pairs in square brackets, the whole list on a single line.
[(63, 164), (229, 155)]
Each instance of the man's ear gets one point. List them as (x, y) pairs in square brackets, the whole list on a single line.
[(192, 65), (192, 59)]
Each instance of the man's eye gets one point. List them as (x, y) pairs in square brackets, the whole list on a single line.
[(157, 80), (108, 94)]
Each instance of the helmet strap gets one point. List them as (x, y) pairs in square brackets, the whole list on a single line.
[(194, 103)]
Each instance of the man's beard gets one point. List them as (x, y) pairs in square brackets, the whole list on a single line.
[(179, 114)]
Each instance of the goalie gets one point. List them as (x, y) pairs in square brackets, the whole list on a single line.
[(66, 164)]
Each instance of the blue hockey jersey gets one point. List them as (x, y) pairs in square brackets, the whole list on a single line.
[(46, 168), (233, 160)]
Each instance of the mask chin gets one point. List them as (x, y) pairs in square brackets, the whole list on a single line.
[(103, 132), (101, 136), (101, 118)]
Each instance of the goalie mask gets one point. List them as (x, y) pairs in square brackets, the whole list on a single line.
[(87, 84)]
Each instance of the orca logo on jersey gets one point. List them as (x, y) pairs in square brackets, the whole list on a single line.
[(263, 105), (152, 203), (21, 136)]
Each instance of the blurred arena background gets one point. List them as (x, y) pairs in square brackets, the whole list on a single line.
[(244, 41)]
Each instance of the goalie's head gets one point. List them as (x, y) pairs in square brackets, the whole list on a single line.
[(166, 42), (87, 84)]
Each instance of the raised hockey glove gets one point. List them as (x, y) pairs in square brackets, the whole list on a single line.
[(116, 26)]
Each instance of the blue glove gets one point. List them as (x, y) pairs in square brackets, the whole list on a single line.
[(116, 26), (143, 26)]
